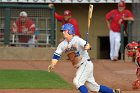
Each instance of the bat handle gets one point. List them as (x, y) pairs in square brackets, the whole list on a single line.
[(86, 38)]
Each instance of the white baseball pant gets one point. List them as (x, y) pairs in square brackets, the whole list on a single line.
[(115, 43), (84, 76)]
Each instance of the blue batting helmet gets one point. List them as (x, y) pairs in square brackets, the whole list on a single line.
[(68, 27)]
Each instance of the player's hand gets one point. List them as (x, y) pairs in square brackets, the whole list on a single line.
[(51, 5), (50, 67), (87, 46), (120, 21)]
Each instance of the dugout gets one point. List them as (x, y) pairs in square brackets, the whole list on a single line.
[(104, 47), (98, 35)]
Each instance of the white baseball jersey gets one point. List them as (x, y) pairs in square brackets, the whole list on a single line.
[(75, 41), (84, 73)]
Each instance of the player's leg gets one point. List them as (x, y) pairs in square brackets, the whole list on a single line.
[(93, 86), (31, 42), (81, 76), (117, 45), (112, 43)]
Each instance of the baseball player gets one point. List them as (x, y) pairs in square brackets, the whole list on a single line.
[(133, 50), (114, 19), (25, 26), (76, 50), (67, 18)]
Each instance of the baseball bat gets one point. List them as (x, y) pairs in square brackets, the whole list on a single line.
[(89, 20)]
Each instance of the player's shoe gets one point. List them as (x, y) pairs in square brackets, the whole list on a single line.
[(117, 91)]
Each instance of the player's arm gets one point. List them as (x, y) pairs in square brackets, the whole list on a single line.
[(51, 66), (109, 17), (58, 17), (31, 27), (128, 19), (14, 27), (55, 58), (108, 24), (129, 16)]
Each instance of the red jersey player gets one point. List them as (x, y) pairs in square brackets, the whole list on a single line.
[(25, 27), (67, 18), (114, 18)]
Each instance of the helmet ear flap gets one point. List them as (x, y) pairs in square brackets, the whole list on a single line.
[(70, 32)]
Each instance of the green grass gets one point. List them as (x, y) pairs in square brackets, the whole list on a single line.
[(15, 79)]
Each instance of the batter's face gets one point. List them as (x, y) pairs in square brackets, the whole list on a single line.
[(66, 35)]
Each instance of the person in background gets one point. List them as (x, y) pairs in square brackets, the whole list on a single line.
[(114, 19), (25, 28), (67, 18)]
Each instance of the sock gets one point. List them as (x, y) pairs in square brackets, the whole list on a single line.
[(105, 89), (83, 89)]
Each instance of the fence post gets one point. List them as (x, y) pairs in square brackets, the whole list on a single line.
[(129, 29), (122, 41), (52, 27), (7, 26)]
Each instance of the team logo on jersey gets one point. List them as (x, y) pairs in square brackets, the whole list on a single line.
[(69, 49)]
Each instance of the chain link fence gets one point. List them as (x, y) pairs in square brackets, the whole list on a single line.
[(40, 14)]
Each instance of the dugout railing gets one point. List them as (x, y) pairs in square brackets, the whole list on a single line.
[(129, 36), (41, 14)]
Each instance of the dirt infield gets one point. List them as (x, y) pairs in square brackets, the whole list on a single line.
[(117, 74)]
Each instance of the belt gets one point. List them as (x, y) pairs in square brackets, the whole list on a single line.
[(83, 63), (87, 60)]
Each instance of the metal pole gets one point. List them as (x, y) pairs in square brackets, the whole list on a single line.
[(7, 26), (122, 41), (129, 28)]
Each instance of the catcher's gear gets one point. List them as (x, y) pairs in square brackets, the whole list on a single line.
[(138, 59), (138, 72), (131, 48), (68, 27), (136, 84)]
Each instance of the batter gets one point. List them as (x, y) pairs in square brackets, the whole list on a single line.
[(76, 50)]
